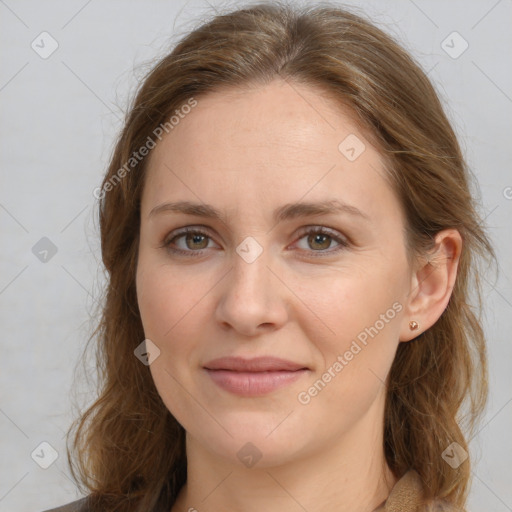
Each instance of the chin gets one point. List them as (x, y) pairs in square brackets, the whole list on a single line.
[(255, 439)]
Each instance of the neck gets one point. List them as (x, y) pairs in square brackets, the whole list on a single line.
[(349, 474)]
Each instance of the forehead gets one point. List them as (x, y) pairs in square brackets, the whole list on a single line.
[(263, 146)]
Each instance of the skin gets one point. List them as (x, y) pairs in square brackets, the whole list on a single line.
[(247, 152)]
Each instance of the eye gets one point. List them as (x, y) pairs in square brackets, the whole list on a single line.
[(319, 239), (193, 242)]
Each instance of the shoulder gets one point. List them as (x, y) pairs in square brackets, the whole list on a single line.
[(75, 506)]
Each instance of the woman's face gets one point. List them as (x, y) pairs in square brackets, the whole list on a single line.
[(267, 278)]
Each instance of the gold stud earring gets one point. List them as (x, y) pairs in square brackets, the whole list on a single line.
[(413, 325)]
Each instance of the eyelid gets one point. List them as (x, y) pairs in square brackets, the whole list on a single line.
[(334, 233)]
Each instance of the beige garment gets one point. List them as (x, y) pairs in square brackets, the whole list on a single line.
[(405, 495)]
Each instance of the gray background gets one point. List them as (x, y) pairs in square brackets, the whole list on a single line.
[(59, 118)]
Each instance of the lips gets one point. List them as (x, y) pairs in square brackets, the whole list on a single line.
[(253, 377), (258, 364)]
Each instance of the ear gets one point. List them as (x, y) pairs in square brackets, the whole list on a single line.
[(432, 284)]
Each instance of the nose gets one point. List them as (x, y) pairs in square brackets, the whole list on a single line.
[(253, 298)]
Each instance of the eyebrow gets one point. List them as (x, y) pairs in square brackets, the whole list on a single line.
[(286, 212)]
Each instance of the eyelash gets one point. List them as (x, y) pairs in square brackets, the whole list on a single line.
[(343, 244)]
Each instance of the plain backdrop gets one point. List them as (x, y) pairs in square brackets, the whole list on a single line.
[(59, 118)]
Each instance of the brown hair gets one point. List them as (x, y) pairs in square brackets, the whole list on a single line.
[(129, 449)]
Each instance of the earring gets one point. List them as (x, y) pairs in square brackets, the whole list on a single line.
[(413, 325)]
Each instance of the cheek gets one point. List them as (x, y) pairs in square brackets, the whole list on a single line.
[(362, 313), (165, 295), (347, 303), (355, 360), (157, 302), (168, 305)]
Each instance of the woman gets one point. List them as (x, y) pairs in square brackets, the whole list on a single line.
[(290, 241)]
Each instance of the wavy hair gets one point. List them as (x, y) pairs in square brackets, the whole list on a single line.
[(127, 450)]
